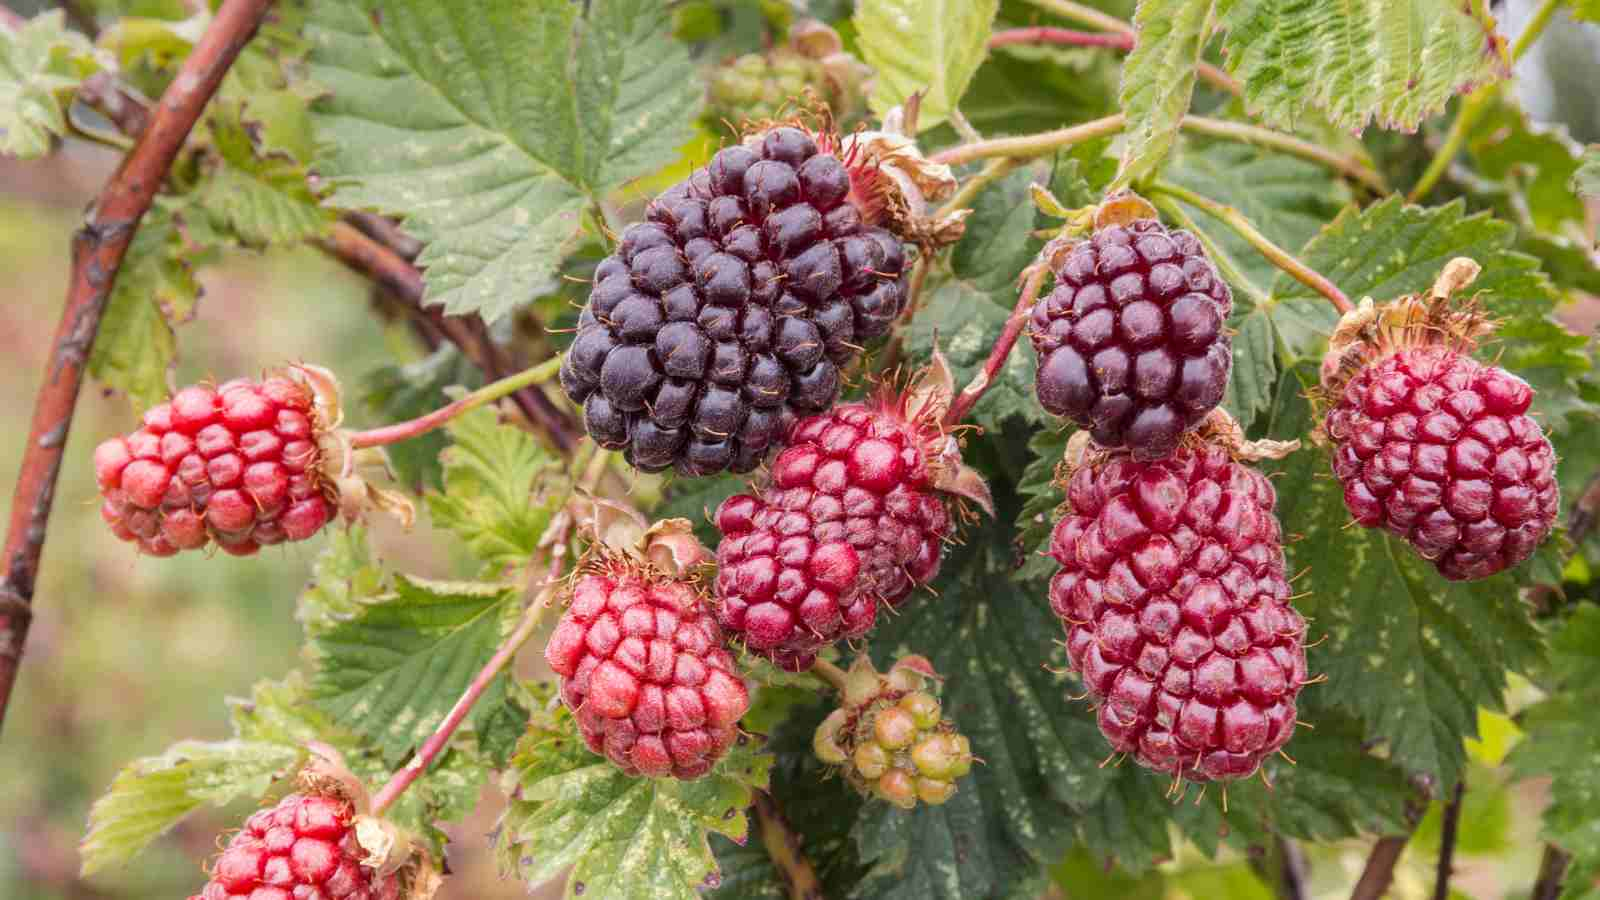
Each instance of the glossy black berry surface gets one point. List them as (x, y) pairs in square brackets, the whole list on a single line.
[(1131, 342), (726, 315)]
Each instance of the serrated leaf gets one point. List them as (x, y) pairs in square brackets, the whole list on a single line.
[(390, 673), (40, 64), (967, 321), (997, 244), (1391, 248), (500, 489), (258, 200), (151, 794), (1562, 743), (489, 127), (1536, 163), (931, 47), (1041, 500), (155, 288), (1158, 79), (1393, 61), (344, 578), (1426, 652), (623, 837)]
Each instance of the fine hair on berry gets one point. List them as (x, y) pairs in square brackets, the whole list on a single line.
[(728, 313)]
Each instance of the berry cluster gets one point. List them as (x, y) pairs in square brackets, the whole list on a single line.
[(850, 520), (1131, 342), (302, 849), (645, 674), (238, 465), (1173, 595), (890, 738), (726, 315)]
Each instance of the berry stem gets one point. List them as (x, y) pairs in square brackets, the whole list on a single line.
[(1552, 873), (1031, 145), (1378, 873), (1219, 255), (784, 847), (401, 431), (1449, 825), (98, 249), (1274, 254), (440, 739), (830, 673), (1094, 18), (986, 376), (1045, 34), (1474, 106), (997, 169)]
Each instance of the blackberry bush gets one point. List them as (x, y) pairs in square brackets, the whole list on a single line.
[(633, 281)]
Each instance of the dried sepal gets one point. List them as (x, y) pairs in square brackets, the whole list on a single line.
[(1122, 208), (1373, 331)]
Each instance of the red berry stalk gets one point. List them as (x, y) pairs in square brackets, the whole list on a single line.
[(1432, 445), (641, 660), (1176, 608), (853, 516)]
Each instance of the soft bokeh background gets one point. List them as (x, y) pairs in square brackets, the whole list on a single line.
[(129, 654)]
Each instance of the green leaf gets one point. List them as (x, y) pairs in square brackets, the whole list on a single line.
[(1041, 501), (1158, 79), (394, 670), (997, 245), (1426, 652), (346, 576), (500, 490), (151, 794), (155, 289), (1394, 62), (40, 65), (489, 127), (258, 200), (1562, 743), (623, 837), (1538, 164), (1586, 180), (697, 499), (931, 47), (1586, 10)]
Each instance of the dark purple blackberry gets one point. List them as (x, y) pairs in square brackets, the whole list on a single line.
[(728, 313), (1131, 342)]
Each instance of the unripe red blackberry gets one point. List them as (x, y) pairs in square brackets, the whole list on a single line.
[(304, 848), (729, 312), (853, 516), (1432, 445), (1177, 612), (239, 464), (1131, 341), (889, 736), (644, 672)]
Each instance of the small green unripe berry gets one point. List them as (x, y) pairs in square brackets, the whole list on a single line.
[(861, 685), (872, 761), (923, 708), (898, 788), (964, 755), (934, 791), (940, 756), (894, 728), (825, 743)]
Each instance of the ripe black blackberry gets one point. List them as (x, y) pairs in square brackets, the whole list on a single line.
[(1131, 342), (728, 313)]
